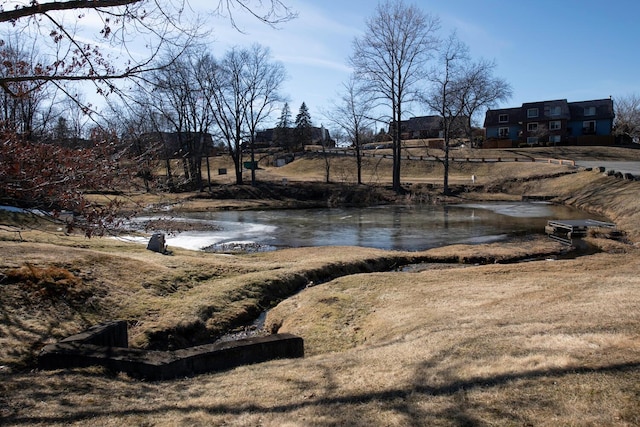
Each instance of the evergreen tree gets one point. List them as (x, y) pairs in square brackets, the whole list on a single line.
[(282, 132), (285, 117), (304, 127)]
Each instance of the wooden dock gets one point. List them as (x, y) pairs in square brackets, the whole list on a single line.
[(564, 230)]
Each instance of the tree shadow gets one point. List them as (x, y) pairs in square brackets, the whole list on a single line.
[(405, 401), (36, 330)]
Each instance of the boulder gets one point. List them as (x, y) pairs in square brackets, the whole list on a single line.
[(157, 243)]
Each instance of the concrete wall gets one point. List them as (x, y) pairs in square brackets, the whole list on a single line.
[(110, 334), (106, 345)]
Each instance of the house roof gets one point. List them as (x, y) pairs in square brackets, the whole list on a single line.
[(514, 116), (603, 109)]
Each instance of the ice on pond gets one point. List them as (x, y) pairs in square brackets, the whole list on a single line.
[(393, 227)]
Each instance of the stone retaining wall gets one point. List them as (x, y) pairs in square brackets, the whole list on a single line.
[(107, 345)]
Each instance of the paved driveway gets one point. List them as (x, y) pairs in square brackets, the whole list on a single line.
[(623, 167)]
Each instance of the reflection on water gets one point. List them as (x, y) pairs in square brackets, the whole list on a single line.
[(409, 228)]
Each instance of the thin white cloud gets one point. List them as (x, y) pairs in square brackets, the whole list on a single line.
[(315, 38), (313, 61)]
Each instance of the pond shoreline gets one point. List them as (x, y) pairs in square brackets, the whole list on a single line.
[(413, 228)]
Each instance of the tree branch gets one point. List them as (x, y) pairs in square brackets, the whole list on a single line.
[(22, 12)]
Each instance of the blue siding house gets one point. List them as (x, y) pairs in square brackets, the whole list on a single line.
[(551, 122), (505, 123)]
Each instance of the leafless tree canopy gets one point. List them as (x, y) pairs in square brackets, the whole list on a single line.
[(627, 125), (484, 90), (459, 88), (391, 57), (101, 41), (272, 12), (352, 115), (264, 78), (154, 25), (245, 86)]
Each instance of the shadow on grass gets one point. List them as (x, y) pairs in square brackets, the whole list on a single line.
[(32, 324), (405, 401)]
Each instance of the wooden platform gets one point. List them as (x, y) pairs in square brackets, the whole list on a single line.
[(566, 229)]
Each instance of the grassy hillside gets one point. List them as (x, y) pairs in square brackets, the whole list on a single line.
[(547, 342)]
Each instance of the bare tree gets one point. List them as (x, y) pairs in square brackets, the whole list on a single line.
[(627, 124), (19, 113), (181, 93), (263, 78), (235, 95), (229, 103), (126, 44), (447, 93), (133, 123), (76, 117), (391, 58), (245, 85), (352, 116), (201, 117), (154, 24), (459, 89), (483, 90), (274, 13), (540, 133), (172, 91)]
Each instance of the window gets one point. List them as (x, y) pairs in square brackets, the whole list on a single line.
[(532, 140), (532, 112), (555, 125), (589, 111), (555, 110), (503, 132), (532, 127), (503, 118), (589, 126), (555, 138)]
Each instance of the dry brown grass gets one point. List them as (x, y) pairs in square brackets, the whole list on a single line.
[(377, 171), (534, 343), (191, 296), (541, 343)]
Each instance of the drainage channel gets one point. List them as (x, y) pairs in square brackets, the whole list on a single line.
[(256, 327)]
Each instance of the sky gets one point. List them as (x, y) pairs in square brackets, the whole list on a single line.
[(547, 49)]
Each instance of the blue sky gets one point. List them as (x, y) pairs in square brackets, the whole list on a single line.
[(547, 49)]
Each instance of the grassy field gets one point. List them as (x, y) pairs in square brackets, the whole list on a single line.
[(473, 341)]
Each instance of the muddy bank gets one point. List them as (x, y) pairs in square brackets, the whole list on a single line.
[(296, 195), (302, 194)]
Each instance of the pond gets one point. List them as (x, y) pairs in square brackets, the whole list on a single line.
[(410, 228)]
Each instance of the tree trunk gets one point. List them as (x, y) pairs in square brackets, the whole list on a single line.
[(358, 160), (237, 162), (445, 184), (253, 163), (327, 165), (397, 151), (208, 173)]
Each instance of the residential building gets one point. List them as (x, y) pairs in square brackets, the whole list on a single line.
[(551, 122), (426, 127), (175, 144), (267, 138)]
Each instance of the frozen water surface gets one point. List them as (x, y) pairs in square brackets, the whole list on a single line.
[(410, 228)]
